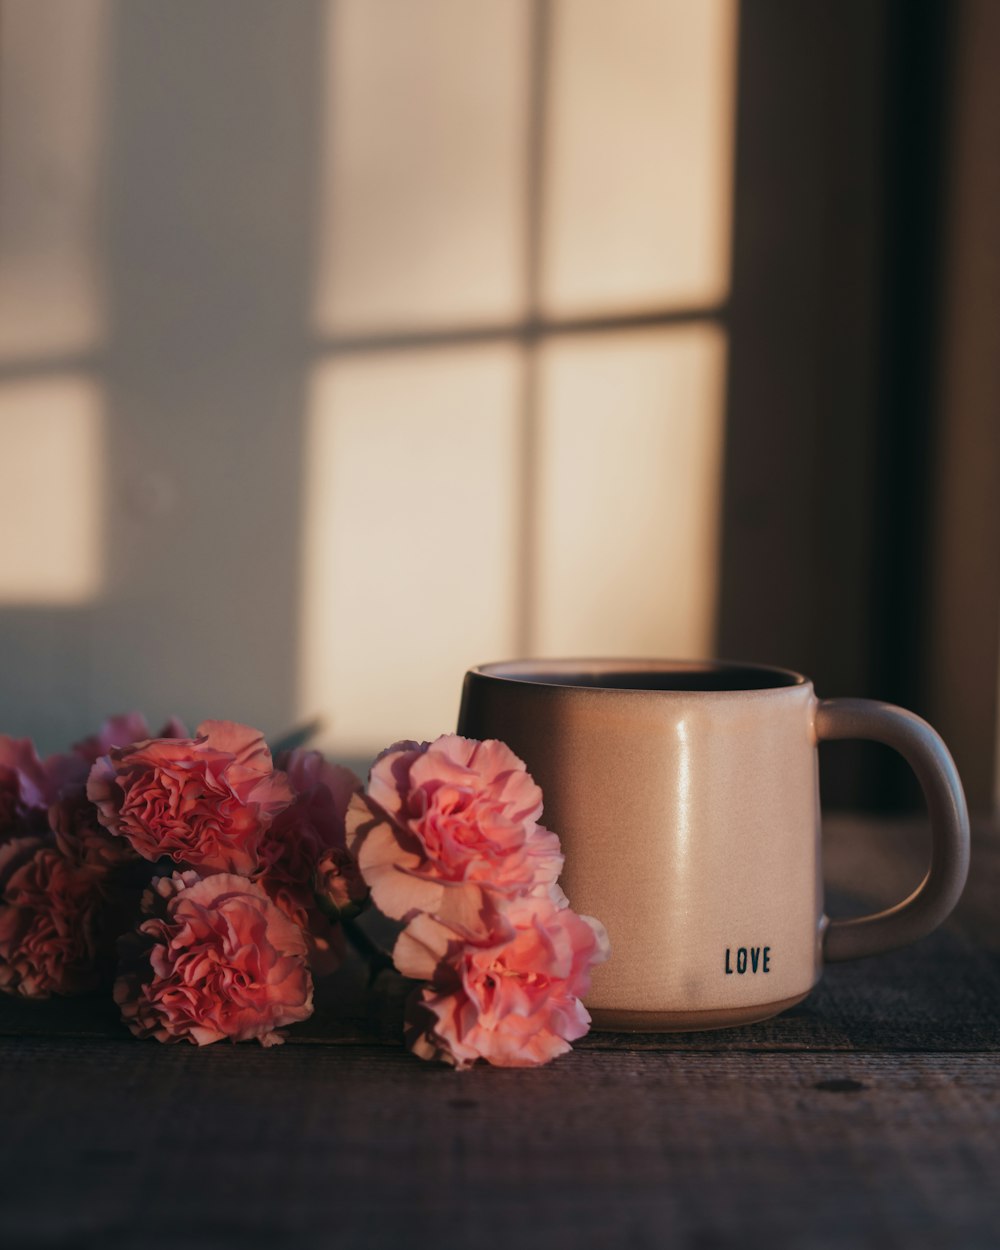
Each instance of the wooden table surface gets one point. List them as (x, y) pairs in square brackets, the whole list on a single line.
[(867, 1116)]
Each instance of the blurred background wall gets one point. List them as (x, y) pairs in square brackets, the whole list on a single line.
[(346, 344)]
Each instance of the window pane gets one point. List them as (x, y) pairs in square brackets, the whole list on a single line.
[(423, 200), (628, 493), (410, 532), (52, 71), (50, 502), (639, 154)]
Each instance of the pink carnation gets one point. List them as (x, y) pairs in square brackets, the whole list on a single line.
[(310, 830), (217, 959), (206, 801), (82, 838), (512, 998), (54, 921), (27, 786), (122, 731), (446, 820), (66, 773)]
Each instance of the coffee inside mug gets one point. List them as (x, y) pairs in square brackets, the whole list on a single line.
[(693, 676)]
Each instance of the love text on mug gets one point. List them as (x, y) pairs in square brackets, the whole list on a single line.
[(750, 959)]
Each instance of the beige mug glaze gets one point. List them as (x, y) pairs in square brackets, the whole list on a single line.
[(686, 796)]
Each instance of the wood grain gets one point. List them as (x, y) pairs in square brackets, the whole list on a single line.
[(868, 1116), (161, 1147)]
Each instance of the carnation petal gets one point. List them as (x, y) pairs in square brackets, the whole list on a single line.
[(388, 776), (243, 742), (360, 818), (117, 731), (20, 761), (101, 791), (452, 759), (469, 909), (399, 894), (388, 864), (421, 947)]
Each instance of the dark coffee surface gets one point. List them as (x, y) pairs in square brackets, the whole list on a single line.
[(706, 677)]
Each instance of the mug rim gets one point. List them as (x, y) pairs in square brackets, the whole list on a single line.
[(517, 672)]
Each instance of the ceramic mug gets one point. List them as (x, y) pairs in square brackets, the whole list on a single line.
[(686, 796)]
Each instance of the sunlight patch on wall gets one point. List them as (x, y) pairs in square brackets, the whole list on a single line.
[(639, 155), (52, 83), (423, 195), (410, 538), (50, 491), (629, 484)]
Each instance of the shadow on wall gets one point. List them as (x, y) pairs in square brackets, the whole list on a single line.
[(344, 345), (178, 372)]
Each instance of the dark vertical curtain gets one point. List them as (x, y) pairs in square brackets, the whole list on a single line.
[(841, 148)]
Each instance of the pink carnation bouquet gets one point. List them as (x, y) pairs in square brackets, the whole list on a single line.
[(179, 869), (208, 885), (448, 840)]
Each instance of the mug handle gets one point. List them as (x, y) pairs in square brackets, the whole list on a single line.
[(932, 901)]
